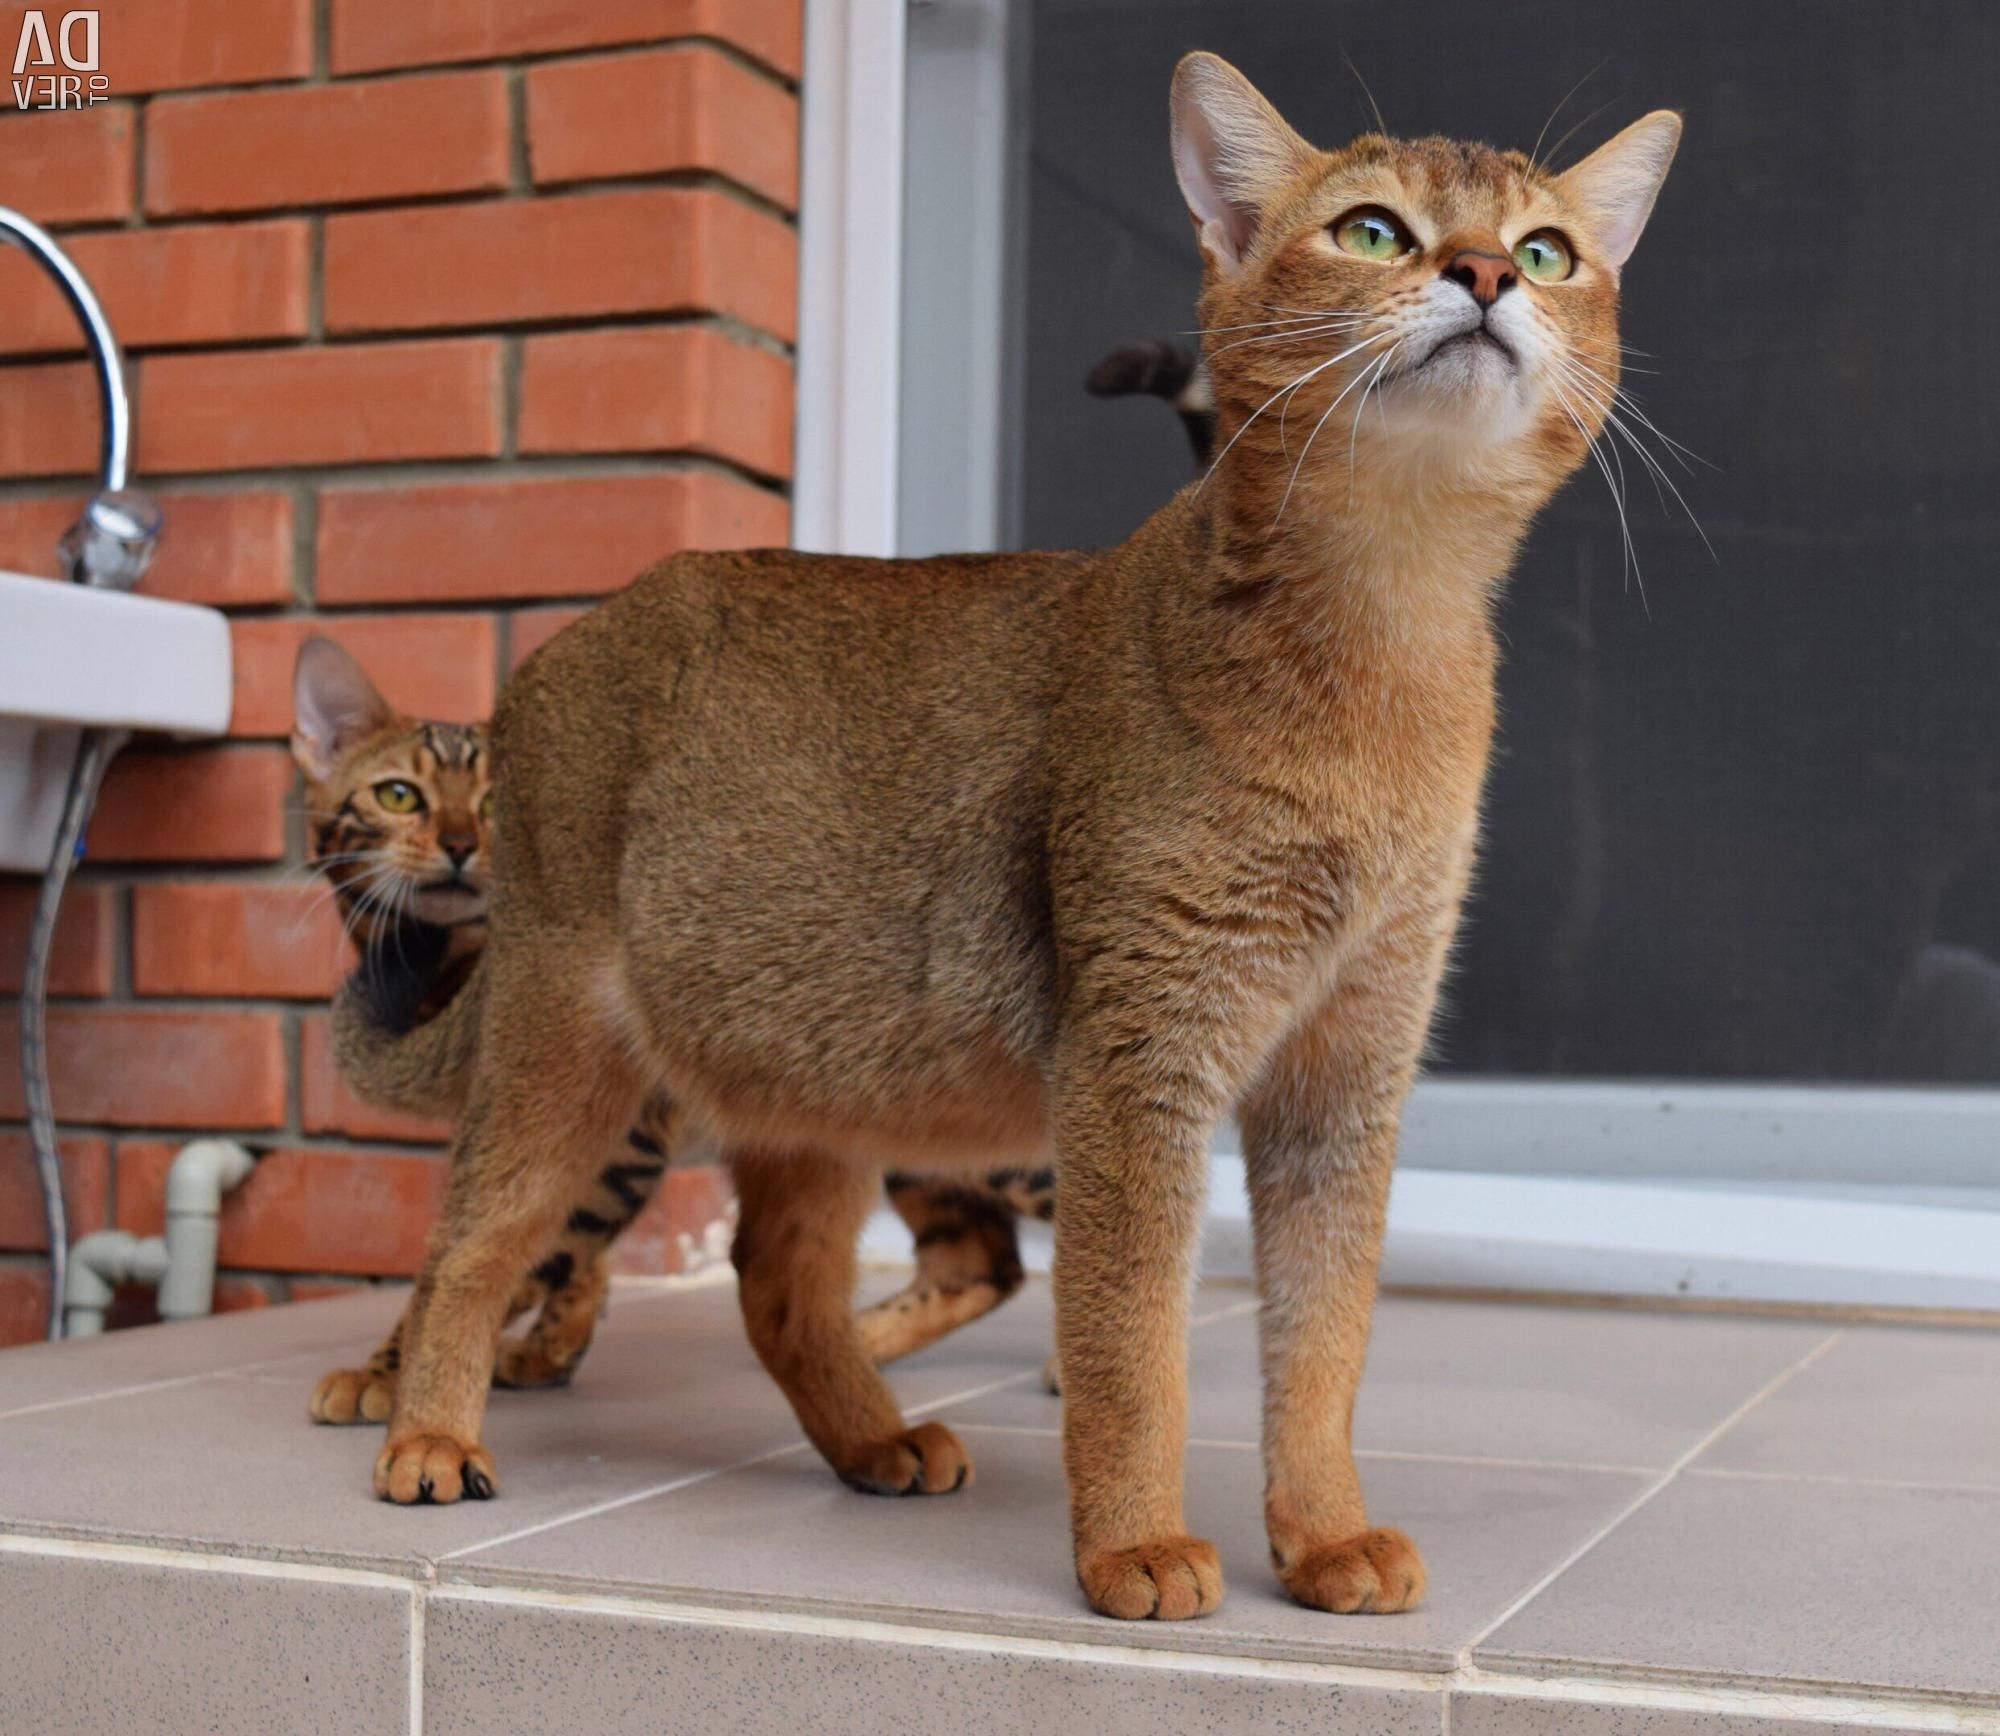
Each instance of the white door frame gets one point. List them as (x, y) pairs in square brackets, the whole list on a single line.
[(847, 435), (1864, 1195)]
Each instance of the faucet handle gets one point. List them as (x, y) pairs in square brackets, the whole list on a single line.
[(112, 544)]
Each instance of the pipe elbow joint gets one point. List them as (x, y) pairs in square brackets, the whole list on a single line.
[(202, 1172)]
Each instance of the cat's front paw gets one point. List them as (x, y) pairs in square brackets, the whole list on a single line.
[(353, 1395), (1378, 1572), (1168, 1580), (926, 1460), (435, 1468)]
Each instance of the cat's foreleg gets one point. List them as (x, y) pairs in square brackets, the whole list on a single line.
[(1133, 1155), (1319, 1145), (554, 1086)]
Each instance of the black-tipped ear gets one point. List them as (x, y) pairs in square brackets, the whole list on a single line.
[(1617, 183), (1233, 154), (334, 705)]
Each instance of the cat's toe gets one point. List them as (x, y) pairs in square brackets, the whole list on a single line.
[(926, 1460), (1170, 1579), (439, 1469), (353, 1395), (1378, 1572)]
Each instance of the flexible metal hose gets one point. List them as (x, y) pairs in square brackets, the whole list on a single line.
[(109, 546), (91, 756)]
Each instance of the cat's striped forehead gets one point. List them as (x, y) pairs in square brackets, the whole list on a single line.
[(449, 762), (1453, 179), (449, 747)]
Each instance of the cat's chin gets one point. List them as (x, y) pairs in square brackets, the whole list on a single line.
[(448, 905), (1467, 394)]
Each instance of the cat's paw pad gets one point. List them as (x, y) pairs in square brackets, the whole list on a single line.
[(437, 1468), (1376, 1573), (353, 1395), (1168, 1580), (925, 1460)]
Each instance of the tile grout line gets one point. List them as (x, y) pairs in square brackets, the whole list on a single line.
[(1229, 1311), (202, 1561), (1648, 1493), (676, 1484), (1828, 1478), (873, 1630), (1216, 1443), (649, 1290), (419, 1597), (1821, 1708), (629, 1499), (54, 1404)]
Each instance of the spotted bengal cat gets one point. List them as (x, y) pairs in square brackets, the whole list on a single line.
[(398, 815)]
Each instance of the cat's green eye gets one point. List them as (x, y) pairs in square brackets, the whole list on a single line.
[(486, 806), (398, 797), (1544, 257), (1372, 233)]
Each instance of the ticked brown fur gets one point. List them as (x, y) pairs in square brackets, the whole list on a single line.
[(400, 828), (980, 860)]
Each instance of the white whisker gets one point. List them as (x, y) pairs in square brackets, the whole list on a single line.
[(1293, 386), (1362, 374), (1663, 484), (1617, 499)]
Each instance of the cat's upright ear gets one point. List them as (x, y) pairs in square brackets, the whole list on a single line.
[(334, 705), (1615, 185), (1233, 154)]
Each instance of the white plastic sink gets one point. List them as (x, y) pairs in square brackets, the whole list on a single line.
[(72, 656)]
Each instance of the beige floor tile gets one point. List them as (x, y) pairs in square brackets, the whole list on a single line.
[(1765, 1580), (42, 1374), (995, 1556), (492, 1668), (89, 1646), (670, 1390), (1898, 1405), (1503, 1381)]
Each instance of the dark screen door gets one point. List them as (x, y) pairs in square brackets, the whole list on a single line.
[(1748, 828)]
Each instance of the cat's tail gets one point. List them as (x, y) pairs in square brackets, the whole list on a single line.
[(1162, 370), (381, 1049)]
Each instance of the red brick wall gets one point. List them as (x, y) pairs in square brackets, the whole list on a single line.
[(445, 316)]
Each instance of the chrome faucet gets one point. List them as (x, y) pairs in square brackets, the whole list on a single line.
[(113, 541), (110, 546)]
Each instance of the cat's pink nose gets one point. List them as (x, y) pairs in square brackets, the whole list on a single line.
[(1485, 274), (459, 846)]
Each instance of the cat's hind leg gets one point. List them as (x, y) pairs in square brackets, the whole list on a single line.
[(575, 1280), (968, 1263), (798, 1220)]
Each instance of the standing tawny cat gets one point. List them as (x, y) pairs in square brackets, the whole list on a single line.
[(399, 818), (983, 859)]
